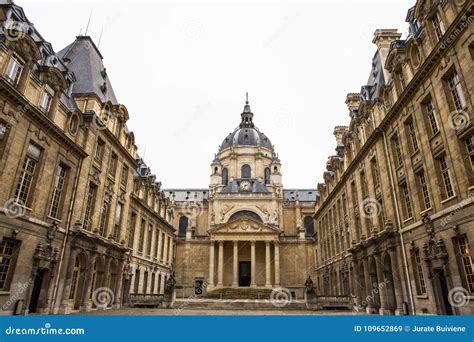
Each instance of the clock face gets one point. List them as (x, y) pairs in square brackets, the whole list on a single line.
[(245, 186)]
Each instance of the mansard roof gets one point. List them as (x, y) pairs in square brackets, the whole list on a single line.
[(84, 58)]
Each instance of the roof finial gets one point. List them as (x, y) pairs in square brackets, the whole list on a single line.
[(247, 98)]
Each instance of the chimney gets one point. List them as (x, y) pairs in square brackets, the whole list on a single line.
[(383, 37)]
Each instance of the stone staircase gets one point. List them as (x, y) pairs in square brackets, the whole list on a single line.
[(237, 299), (246, 293)]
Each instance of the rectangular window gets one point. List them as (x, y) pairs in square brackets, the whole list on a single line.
[(397, 151), (46, 99), (145, 282), (470, 149), (112, 164), (157, 234), (56, 200), (467, 264), (27, 174), (425, 193), (446, 177), (162, 252), (104, 215), (14, 69), (124, 175), (457, 94), (438, 26), (117, 220), (375, 172), (149, 239), (89, 208), (407, 207), (99, 150), (137, 281), (412, 136), (141, 239), (131, 233), (432, 116), (419, 275), (363, 182), (7, 261)]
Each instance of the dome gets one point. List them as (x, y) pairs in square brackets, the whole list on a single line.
[(246, 134)]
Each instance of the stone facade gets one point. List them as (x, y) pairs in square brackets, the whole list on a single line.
[(245, 231), (71, 181), (395, 215)]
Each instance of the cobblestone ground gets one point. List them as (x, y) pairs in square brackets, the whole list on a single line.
[(200, 312)]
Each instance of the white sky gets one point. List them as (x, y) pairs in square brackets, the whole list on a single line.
[(182, 70)]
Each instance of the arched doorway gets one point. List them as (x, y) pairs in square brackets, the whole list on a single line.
[(77, 281)]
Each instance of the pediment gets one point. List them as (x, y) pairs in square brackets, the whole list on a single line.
[(244, 225)]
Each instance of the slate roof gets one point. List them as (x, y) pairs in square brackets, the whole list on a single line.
[(303, 195), (84, 59)]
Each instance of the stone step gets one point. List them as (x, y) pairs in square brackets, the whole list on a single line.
[(232, 293), (232, 304)]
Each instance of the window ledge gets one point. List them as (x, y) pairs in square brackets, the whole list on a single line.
[(5, 293), (426, 210), (448, 199), (423, 296), (407, 220)]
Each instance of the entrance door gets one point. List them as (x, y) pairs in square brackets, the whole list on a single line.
[(36, 292), (244, 273), (443, 291), (198, 287)]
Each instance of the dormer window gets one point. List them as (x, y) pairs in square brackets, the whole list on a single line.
[(14, 69), (46, 99)]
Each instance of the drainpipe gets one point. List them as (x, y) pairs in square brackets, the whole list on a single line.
[(399, 223), (66, 235)]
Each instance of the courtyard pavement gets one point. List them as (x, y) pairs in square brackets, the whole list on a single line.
[(208, 312)]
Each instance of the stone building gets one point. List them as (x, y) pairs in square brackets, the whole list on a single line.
[(245, 232), (69, 177), (395, 212)]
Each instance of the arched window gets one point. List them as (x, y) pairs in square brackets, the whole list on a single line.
[(309, 226), (216, 169), (183, 225), (225, 176), (245, 171), (267, 175)]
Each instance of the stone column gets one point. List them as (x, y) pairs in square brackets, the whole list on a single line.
[(235, 281), (220, 272), (368, 287), (211, 264), (381, 286), (86, 300), (252, 264), (397, 285), (277, 263), (268, 281), (64, 306)]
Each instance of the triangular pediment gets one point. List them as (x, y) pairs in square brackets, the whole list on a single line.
[(244, 225)]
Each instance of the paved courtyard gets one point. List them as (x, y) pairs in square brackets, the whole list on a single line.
[(200, 312)]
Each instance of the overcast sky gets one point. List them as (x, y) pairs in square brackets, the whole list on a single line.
[(182, 70)]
